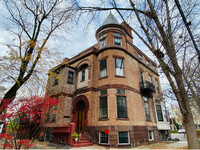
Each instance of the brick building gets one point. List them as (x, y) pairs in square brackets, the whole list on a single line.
[(110, 86)]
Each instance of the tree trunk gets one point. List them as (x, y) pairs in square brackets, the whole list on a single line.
[(9, 97), (191, 134), (185, 108)]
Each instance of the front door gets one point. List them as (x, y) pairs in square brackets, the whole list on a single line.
[(80, 121)]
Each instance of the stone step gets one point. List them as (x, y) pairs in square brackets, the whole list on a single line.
[(82, 142)]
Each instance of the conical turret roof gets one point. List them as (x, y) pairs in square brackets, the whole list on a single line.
[(110, 20)]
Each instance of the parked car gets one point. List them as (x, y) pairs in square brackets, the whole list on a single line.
[(181, 131)]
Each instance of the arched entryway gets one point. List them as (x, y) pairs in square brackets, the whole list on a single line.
[(80, 113)]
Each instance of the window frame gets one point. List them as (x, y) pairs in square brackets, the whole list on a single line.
[(103, 95), (128, 138), (157, 86), (160, 112), (124, 96), (147, 62), (146, 103), (122, 67), (117, 36), (152, 135), (56, 80), (69, 77), (107, 138), (154, 67), (140, 57), (103, 68), (102, 40), (83, 75), (150, 79)]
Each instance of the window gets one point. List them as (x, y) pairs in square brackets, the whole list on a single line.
[(157, 86), (142, 76), (117, 34), (83, 75), (147, 62), (103, 139), (159, 113), (121, 104), (123, 137), (151, 135), (103, 109), (103, 68), (154, 68), (53, 118), (117, 39), (102, 40), (119, 67), (103, 43), (102, 36), (56, 79), (146, 107), (70, 77), (56, 82), (150, 79), (140, 56)]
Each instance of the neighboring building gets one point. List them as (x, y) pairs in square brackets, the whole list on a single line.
[(177, 116), (110, 86)]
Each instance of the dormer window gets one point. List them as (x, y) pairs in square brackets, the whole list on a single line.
[(102, 40), (117, 39)]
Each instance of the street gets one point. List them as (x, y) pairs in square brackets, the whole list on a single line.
[(181, 137)]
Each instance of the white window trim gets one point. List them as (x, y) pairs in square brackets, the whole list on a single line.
[(128, 138), (162, 113), (100, 139), (152, 134)]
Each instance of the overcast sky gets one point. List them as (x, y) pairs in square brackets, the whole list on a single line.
[(75, 41)]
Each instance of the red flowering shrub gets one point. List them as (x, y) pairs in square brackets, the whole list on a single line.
[(25, 117)]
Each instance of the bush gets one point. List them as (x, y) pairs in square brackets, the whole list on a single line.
[(198, 133), (174, 131)]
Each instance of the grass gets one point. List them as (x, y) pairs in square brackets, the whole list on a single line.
[(173, 131)]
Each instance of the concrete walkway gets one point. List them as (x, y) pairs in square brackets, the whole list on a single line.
[(160, 145)]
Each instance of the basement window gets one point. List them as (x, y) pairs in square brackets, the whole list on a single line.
[(123, 138), (103, 138)]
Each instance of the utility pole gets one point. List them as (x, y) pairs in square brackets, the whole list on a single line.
[(188, 28)]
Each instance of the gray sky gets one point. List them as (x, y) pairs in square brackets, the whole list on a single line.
[(75, 41)]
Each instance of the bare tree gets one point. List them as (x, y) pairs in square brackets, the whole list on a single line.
[(32, 24), (160, 27)]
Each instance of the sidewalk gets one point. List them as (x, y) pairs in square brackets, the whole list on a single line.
[(160, 145)]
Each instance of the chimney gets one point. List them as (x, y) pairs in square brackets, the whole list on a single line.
[(65, 60), (128, 28)]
